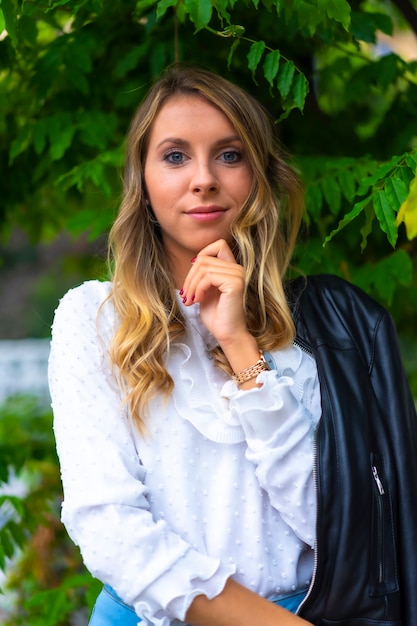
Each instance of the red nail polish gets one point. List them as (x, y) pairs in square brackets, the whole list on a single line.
[(193, 259), (182, 292), (192, 299), (184, 300)]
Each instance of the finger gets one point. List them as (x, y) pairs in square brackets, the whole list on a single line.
[(203, 264), (226, 277), (219, 249)]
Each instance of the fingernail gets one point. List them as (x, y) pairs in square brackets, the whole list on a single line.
[(193, 259), (182, 292), (192, 299), (184, 300)]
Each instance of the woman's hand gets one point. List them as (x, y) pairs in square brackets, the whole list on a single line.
[(217, 282)]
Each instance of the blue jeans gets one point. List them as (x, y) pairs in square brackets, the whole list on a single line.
[(110, 610)]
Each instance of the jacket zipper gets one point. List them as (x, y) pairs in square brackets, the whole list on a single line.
[(302, 346), (378, 481), (380, 538), (315, 563)]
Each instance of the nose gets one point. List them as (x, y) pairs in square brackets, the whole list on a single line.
[(203, 178)]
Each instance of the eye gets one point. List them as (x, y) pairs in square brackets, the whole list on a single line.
[(231, 156), (175, 157)]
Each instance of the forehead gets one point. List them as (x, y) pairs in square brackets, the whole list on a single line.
[(189, 114)]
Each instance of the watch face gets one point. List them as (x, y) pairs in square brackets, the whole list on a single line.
[(269, 360)]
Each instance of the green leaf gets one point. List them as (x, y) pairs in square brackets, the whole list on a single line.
[(348, 218), (396, 192), (200, 12), (382, 170), (339, 10), (61, 142), (384, 23), (394, 269), (387, 70), (96, 128), (300, 90), (314, 199), (255, 54), (386, 216), (367, 227), (221, 7), (17, 532), (6, 543), (60, 130), (2, 21), (285, 77), (408, 211), (58, 3), (39, 136), (332, 193), (347, 183), (163, 6), (130, 60), (27, 29), (78, 80), (406, 174), (364, 25), (411, 160), (91, 171), (2, 560), (13, 501), (9, 15), (21, 143), (271, 65), (232, 51), (90, 221)]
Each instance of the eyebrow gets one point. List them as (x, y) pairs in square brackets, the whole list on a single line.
[(182, 142)]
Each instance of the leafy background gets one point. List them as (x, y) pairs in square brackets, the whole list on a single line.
[(340, 79)]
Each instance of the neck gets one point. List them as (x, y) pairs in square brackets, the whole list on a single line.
[(179, 268)]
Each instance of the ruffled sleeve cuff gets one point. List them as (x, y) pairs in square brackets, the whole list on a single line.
[(263, 410), (170, 596)]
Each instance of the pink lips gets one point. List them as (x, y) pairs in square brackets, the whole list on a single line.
[(206, 213)]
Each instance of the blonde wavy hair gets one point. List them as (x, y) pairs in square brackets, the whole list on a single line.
[(264, 235)]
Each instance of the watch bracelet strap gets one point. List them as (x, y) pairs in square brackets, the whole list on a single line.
[(251, 372)]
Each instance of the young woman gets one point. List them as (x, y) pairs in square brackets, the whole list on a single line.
[(235, 450)]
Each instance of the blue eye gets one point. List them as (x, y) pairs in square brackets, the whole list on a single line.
[(231, 156), (175, 157)]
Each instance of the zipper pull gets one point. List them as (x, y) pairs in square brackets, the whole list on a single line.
[(378, 480)]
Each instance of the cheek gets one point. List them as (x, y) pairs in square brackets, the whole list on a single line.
[(163, 185), (244, 185), (154, 190)]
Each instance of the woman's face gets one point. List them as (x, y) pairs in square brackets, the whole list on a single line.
[(197, 176)]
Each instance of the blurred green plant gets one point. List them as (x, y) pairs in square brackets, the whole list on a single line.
[(45, 576), (71, 74), (73, 71)]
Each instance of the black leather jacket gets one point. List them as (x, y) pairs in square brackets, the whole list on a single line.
[(366, 460)]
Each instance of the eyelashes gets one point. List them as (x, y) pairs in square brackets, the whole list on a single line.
[(232, 156), (177, 157), (174, 157)]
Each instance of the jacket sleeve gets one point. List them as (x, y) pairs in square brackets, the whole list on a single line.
[(397, 406), (106, 508)]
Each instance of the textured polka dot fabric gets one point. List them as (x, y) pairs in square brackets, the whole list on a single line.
[(221, 484)]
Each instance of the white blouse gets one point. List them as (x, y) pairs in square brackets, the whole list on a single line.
[(220, 485)]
